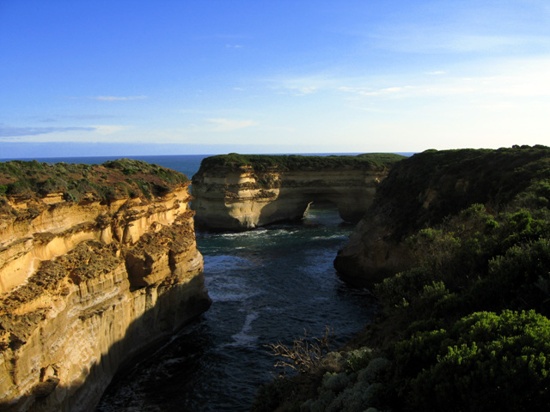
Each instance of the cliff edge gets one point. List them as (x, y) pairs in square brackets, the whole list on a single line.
[(97, 262), (456, 251), (241, 192), (422, 191)]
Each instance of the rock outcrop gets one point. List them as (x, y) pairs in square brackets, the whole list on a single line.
[(236, 192), (423, 190), (92, 271)]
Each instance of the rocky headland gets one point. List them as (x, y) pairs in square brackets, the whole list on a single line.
[(241, 192), (422, 191), (456, 250), (97, 263)]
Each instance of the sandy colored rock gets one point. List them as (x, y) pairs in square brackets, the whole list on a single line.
[(246, 198), (87, 285)]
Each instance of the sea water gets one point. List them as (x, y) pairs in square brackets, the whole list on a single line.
[(268, 285)]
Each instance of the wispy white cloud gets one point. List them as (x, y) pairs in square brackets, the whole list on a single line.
[(512, 78), (227, 125), (304, 85), (105, 129), (384, 91), (10, 131), (436, 41), (117, 98), (462, 27)]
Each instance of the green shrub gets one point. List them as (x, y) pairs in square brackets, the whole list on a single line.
[(465, 327), (107, 182), (485, 362), (520, 274), (261, 163), (358, 359)]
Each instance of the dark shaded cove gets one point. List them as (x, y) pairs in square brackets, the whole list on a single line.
[(267, 285)]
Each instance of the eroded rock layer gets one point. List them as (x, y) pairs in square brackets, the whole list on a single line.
[(236, 192), (88, 283)]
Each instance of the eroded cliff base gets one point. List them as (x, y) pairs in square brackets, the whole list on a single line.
[(242, 192)]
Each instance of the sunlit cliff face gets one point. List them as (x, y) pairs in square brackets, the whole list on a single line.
[(245, 199), (86, 285)]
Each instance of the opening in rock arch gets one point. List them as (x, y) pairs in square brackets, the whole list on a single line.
[(322, 213)]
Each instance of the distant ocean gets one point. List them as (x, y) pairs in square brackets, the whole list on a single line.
[(267, 285), (187, 164)]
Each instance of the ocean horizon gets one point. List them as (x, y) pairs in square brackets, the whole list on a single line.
[(186, 164)]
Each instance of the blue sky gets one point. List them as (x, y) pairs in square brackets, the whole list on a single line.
[(215, 76)]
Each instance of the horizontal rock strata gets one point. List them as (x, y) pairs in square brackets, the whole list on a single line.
[(86, 285), (247, 194)]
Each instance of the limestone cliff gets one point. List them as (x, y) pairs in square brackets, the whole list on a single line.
[(96, 264), (236, 192), (423, 190)]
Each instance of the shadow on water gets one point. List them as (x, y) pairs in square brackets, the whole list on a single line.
[(267, 285)]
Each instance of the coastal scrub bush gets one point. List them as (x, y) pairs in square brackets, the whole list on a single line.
[(351, 390), (358, 359), (536, 196), (262, 163), (470, 262), (465, 327), (521, 276), (107, 182), (424, 189), (484, 362)]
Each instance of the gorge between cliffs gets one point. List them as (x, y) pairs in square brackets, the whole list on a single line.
[(109, 255), (447, 269)]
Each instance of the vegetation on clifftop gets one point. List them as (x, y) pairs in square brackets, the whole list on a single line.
[(235, 161), (429, 186), (465, 328), (106, 182)]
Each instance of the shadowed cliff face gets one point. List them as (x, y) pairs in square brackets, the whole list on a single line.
[(249, 195), (422, 191), (86, 285)]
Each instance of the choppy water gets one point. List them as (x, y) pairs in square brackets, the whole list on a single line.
[(267, 285)]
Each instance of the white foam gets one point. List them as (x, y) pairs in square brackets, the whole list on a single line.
[(224, 263), (330, 237), (243, 337), (248, 233)]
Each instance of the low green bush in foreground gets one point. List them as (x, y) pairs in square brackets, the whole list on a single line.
[(466, 328), (484, 362)]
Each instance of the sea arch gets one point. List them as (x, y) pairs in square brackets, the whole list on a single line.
[(238, 192)]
